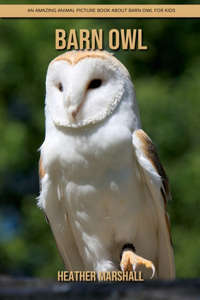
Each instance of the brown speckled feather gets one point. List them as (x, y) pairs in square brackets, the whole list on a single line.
[(41, 169), (149, 150), (41, 175), (73, 57)]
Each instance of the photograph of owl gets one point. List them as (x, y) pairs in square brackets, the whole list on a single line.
[(103, 189)]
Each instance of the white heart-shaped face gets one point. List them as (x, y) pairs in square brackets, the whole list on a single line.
[(85, 92)]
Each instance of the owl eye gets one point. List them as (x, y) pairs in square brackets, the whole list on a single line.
[(60, 87), (94, 84)]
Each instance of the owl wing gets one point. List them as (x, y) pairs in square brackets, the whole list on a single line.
[(153, 175), (52, 203)]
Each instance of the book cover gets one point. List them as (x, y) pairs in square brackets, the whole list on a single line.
[(159, 46)]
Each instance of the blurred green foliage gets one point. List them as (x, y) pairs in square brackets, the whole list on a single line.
[(166, 78)]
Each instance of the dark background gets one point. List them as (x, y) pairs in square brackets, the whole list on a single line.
[(166, 79)]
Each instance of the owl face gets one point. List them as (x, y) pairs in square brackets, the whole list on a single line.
[(83, 87)]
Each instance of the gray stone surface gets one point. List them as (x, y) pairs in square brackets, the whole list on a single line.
[(38, 289)]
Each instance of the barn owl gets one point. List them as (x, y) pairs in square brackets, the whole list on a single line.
[(103, 188)]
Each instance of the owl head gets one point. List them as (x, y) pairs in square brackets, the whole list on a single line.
[(85, 87)]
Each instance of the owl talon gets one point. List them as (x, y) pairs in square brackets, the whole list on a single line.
[(130, 261), (153, 268), (122, 267), (134, 266)]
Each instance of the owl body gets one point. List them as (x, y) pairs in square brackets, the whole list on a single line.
[(96, 185)]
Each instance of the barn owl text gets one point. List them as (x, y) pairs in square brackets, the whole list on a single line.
[(126, 38)]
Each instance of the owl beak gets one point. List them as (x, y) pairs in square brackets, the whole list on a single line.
[(73, 109), (74, 113)]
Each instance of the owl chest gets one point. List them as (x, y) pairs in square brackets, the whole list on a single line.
[(87, 158), (96, 174)]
